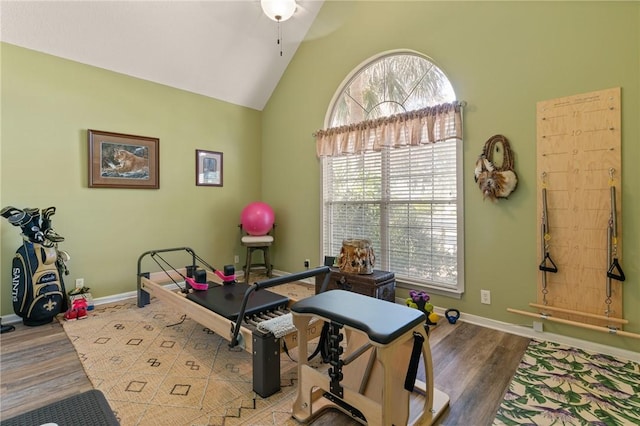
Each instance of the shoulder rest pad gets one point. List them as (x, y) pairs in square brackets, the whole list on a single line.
[(383, 321)]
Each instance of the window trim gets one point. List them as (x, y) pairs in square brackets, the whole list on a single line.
[(459, 289)]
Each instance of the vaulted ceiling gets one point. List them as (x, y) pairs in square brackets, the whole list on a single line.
[(222, 49)]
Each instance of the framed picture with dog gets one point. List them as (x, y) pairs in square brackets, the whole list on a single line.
[(117, 160)]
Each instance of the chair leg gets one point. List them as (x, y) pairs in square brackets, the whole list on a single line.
[(267, 261), (249, 262), (247, 265)]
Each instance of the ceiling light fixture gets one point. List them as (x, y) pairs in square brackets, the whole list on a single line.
[(279, 11)]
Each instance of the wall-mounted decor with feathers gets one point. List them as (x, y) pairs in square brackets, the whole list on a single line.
[(494, 169)]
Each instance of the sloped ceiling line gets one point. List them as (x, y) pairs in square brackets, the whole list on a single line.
[(221, 49)]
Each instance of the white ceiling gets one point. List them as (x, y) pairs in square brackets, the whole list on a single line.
[(226, 50)]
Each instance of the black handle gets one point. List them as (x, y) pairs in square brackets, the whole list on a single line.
[(543, 266), (615, 271)]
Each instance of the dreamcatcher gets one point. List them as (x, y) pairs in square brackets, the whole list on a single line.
[(494, 169)]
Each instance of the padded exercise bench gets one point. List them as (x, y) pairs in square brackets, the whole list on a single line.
[(373, 377)]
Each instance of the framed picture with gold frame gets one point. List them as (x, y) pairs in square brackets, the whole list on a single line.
[(208, 168), (118, 160)]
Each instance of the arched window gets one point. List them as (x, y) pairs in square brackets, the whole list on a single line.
[(396, 186), (387, 85)]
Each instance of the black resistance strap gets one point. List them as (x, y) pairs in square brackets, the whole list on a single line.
[(412, 371)]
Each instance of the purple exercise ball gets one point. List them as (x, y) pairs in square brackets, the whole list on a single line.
[(257, 218)]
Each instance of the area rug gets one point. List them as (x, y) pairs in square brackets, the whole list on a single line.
[(560, 385), (158, 367)]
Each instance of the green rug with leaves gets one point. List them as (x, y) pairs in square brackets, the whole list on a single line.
[(561, 385)]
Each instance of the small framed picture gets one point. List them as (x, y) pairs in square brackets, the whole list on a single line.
[(208, 168), (117, 160)]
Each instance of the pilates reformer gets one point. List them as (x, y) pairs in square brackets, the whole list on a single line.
[(251, 317), (373, 363)]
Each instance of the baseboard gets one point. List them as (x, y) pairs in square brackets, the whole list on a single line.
[(529, 332), (11, 319), (97, 301), (518, 330)]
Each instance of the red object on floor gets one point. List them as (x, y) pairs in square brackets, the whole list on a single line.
[(78, 310)]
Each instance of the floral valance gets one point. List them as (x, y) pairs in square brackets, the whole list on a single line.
[(422, 126)]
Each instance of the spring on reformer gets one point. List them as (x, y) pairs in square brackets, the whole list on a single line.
[(256, 319)]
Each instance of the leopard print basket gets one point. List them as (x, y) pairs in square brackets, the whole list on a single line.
[(356, 257)]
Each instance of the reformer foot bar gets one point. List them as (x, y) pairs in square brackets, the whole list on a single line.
[(232, 310), (372, 377)]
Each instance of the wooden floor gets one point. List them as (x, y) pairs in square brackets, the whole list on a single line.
[(473, 365), (38, 366)]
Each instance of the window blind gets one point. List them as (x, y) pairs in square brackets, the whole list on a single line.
[(405, 201)]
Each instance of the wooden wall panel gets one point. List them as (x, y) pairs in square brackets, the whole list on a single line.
[(578, 143)]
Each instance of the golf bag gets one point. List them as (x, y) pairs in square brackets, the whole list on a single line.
[(37, 289)]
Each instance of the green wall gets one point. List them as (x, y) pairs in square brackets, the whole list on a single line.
[(47, 106), (502, 58)]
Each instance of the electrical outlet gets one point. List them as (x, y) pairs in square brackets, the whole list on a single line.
[(79, 282), (307, 262), (236, 259), (485, 297), (537, 326)]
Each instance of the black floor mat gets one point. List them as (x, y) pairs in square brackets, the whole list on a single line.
[(88, 409)]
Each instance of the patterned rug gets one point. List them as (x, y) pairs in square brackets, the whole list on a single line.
[(560, 385), (157, 367)]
